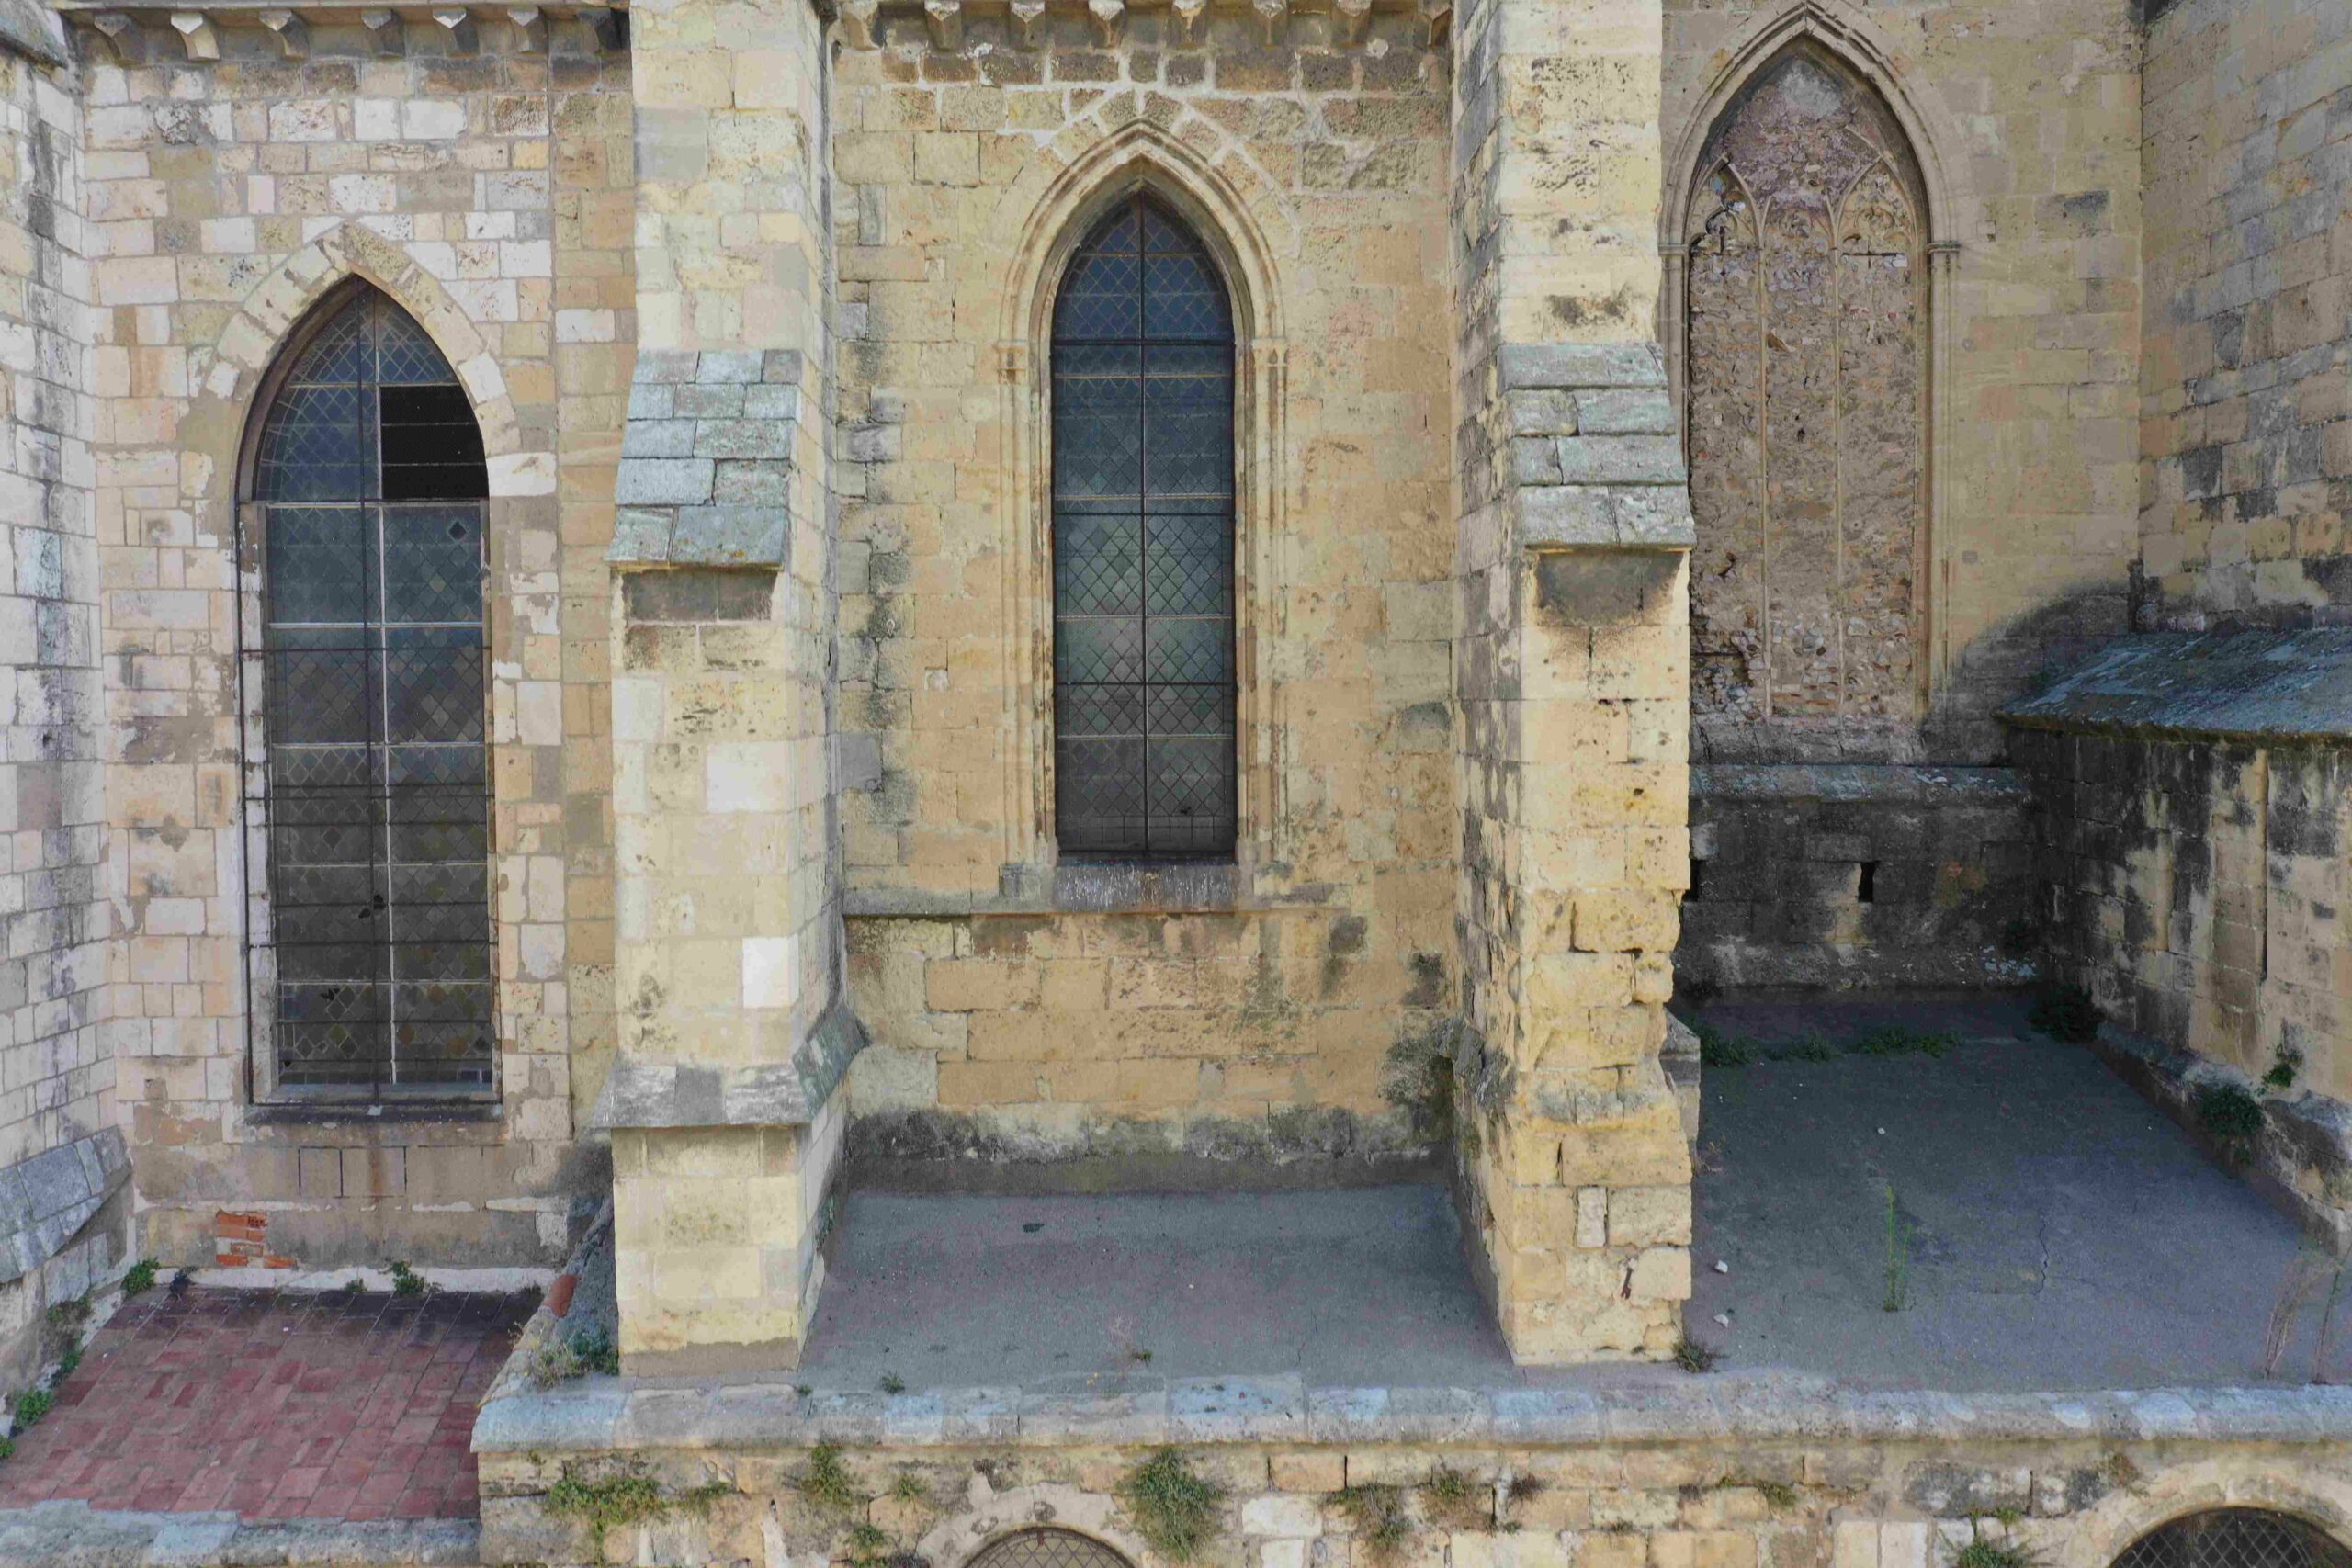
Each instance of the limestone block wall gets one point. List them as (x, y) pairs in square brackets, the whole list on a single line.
[(2246, 430), (1849, 875), (56, 1088), (2023, 127), (2194, 803), (1023, 1005), (479, 175), (1738, 1498)]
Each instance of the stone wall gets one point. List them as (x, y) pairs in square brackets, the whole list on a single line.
[(56, 1086), (2247, 429), (1732, 1491), (478, 173), (1842, 877), (2023, 126), (1024, 1008), (2195, 808)]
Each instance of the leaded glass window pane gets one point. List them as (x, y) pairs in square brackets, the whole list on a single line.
[(1144, 692), (374, 779)]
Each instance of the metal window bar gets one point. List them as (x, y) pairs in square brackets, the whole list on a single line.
[(1144, 685), (368, 788), (2235, 1538)]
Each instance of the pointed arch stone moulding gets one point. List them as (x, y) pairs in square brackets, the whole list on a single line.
[(1857, 47), (1039, 222)]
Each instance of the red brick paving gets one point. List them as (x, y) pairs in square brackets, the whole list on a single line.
[(278, 1405)]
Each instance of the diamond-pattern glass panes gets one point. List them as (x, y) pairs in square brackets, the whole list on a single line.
[(2236, 1538), (1144, 708), (1046, 1548), (374, 782)]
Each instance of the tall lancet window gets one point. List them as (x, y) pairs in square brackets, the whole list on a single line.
[(1144, 690), (370, 781)]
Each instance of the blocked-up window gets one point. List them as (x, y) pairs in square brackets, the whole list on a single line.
[(1806, 422), (1144, 687), (367, 779)]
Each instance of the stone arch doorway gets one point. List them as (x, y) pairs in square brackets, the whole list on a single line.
[(2235, 1538), (1806, 330)]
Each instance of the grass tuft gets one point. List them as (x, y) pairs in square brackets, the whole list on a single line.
[(1378, 1514), (564, 1358), (2231, 1116), (1456, 1499), (1898, 1256), (406, 1281), (825, 1481), (627, 1497), (1900, 1040), (909, 1487), (139, 1276), (1720, 1048), (1174, 1509), (32, 1405), (1693, 1355), (1983, 1553), (893, 1383), (2066, 1013)]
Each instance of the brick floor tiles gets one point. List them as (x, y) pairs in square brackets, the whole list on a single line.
[(278, 1405)]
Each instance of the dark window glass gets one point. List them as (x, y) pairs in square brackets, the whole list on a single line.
[(2236, 1538), (1144, 694), (374, 783)]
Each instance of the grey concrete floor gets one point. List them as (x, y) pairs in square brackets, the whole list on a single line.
[(2055, 1233)]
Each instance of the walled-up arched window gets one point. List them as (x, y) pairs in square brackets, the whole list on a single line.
[(1144, 688), (1805, 364), (371, 778), (2236, 1538)]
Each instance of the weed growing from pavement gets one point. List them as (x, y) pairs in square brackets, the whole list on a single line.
[(406, 1281), (1693, 1355), (139, 1277), (1898, 1254)]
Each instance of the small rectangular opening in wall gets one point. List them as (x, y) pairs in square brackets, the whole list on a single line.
[(1698, 881), (1866, 885)]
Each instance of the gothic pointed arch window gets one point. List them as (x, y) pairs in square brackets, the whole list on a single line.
[(1145, 696), (1805, 355), (367, 755)]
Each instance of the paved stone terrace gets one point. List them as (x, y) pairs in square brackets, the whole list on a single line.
[(273, 1405)]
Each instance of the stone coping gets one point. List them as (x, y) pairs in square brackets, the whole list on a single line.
[(65, 1533), (2255, 685), (1894, 782), (603, 1414), (641, 1093), (45, 1199)]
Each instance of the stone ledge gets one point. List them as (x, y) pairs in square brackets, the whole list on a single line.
[(609, 1415), (1897, 783), (1093, 889), (2260, 686), (84, 1537), (639, 1093)]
